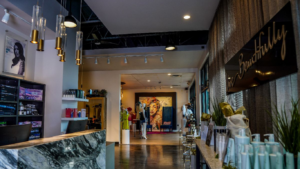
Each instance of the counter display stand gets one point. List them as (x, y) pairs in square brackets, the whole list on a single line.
[(9, 97)]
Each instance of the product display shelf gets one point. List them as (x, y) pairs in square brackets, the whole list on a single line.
[(26, 100), (40, 105), (74, 99)]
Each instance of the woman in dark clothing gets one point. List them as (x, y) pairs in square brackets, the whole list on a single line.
[(19, 57)]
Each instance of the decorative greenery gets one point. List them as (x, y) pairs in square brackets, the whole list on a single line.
[(193, 150), (229, 166), (103, 93), (217, 115), (287, 130), (217, 156)]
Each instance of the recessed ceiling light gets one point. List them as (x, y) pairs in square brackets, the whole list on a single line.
[(169, 74), (171, 87), (186, 16), (148, 80)]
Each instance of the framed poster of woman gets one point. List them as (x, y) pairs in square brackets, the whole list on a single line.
[(14, 54)]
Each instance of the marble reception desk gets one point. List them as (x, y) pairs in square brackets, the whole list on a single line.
[(84, 150)]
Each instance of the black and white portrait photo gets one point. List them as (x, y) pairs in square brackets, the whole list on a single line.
[(14, 58)]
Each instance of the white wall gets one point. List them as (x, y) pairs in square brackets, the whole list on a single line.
[(49, 70), (110, 80), (29, 56), (128, 99)]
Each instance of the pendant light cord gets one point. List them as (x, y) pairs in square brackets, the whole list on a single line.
[(79, 30)]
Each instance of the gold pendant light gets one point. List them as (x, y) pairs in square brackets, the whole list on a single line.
[(63, 57), (42, 28), (78, 47), (36, 14), (59, 31)]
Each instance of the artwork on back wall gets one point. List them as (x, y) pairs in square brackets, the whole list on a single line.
[(155, 102), (15, 54), (156, 105)]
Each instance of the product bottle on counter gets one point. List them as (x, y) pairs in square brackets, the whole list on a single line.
[(239, 141), (267, 160), (290, 161), (247, 157), (270, 142), (256, 142), (273, 156), (261, 156), (230, 152), (279, 163)]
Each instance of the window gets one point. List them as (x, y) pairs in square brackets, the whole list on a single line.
[(204, 88)]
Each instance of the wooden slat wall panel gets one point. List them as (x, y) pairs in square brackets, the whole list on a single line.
[(235, 23)]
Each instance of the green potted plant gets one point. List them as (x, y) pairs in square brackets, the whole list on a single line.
[(286, 126), (103, 93), (217, 115)]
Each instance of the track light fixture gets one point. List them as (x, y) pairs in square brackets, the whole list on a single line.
[(96, 61), (108, 60), (6, 16), (161, 59), (125, 60), (145, 60)]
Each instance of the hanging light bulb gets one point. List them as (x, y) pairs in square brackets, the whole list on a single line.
[(59, 31), (96, 61), (6, 16), (145, 59), (161, 59), (41, 37), (108, 61), (125, 60), (78, 47), (36, 14), (77, 62), (62, 49)]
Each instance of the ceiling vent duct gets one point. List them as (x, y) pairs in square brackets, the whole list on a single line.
[(176, 75)]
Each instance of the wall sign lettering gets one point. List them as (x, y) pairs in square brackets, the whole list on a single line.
[(269, 55)]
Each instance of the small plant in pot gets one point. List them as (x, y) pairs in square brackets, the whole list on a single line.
[(286, 126), (103, 93)]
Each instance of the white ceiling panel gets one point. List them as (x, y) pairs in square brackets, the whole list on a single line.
[(142, 16)]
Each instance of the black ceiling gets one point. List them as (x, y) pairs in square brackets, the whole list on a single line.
[(97, 36)]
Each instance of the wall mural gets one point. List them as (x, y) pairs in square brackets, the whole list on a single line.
[(156, 105)]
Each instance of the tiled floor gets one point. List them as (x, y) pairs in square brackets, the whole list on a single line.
[(159, 151), (150, 157)]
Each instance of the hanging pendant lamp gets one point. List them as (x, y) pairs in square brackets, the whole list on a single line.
[(36, 14), (59, 28), (78, 48), (63, 57), (41, 37), (61, 51), (70, 21)]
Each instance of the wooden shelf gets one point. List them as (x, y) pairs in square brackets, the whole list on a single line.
[(25, 100), (75, 99)]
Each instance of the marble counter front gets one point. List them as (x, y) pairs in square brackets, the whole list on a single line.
[(86, 149), (208, 154)]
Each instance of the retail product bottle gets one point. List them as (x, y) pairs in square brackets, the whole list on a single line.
[(239, 141), (273, 156), (246, 155), (298, 162), (279, 163), (290, 161), (270, 142), (256, 142), (256, 161), (261, 156), (267, 160), (230, 152)]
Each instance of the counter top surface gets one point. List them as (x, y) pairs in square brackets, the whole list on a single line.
[(41, 141), (209, 154), (73, 118)]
